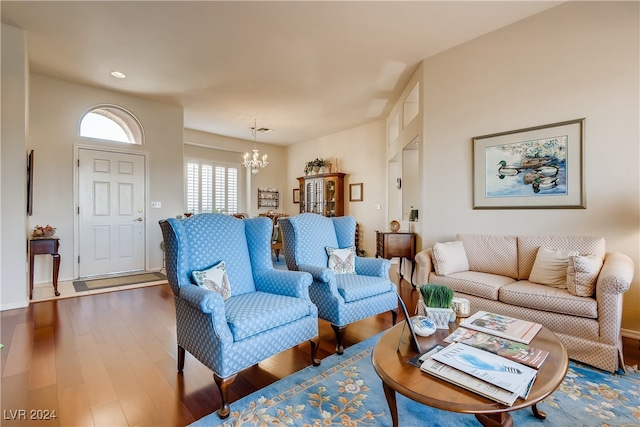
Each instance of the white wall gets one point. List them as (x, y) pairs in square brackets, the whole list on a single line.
[(55, 110), (222, 147), (362, 154), (580, 59), (14, 291)]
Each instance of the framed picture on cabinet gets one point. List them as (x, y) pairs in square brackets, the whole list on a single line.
[(355, 192), (296, 195)]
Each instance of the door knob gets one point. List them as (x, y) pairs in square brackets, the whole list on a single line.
[(138, 219)]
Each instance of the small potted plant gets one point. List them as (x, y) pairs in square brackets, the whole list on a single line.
[(436, 302), (317, 164)]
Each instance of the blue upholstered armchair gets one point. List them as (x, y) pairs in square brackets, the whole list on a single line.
[(341, 298), (266, 311)]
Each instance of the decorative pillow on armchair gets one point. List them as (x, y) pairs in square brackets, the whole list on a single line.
[(342, 261), (214, 279)]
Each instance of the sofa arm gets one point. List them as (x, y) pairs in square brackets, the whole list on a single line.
[(424, 266), (281, 282), (616, 274)]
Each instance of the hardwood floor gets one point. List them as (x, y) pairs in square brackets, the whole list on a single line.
[(110, 360)]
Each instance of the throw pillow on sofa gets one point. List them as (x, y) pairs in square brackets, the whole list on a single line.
[(215, 279), (582, 274), (449, 258), (550, 267)]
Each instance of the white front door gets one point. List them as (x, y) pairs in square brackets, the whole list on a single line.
[(111, 217)]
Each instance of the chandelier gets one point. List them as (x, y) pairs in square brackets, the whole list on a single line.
[(254, 163)]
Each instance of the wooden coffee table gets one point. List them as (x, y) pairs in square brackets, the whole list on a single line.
[(400, 376)]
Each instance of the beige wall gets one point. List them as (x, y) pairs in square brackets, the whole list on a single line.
[(55, 109), (13, 167), (576, 60), (233, 149), (362, 152)]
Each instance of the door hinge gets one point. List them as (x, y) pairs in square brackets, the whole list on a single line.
[(78, 210), (78, 162), (78, 259)]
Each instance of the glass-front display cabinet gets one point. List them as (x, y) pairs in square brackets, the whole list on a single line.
[(322, 194)]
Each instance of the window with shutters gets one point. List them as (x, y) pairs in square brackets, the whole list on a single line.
[(211, 187)]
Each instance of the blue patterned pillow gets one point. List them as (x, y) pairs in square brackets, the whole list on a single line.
[(342, 261), (215, 279)]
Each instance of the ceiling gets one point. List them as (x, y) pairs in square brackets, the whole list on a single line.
[(303, 69)]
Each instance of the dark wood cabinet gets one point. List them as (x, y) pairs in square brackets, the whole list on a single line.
[(322, 194), (397, 244)]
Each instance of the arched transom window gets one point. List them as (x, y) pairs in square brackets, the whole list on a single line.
[(112, 123)]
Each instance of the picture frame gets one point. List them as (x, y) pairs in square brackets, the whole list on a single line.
[(296, 195), (355, 192), (539, 167)]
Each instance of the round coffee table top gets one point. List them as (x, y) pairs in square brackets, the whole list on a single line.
[(410, 381)]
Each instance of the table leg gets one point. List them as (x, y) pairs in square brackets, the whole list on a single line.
[(56, 270), (538, 413), (413, 267), (502, 419), (400, 269), (390, 394)]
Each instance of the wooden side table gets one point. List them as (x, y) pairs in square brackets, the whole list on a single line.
[(44, 246), (397, 244)]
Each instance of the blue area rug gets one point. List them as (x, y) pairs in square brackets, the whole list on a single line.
[(346, 391)]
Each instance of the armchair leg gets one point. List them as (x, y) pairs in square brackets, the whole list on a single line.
[(339, 331), (224, 384), (181, 352), (394, 316), (314, 351)]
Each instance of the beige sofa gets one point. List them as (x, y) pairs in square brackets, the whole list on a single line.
[(497, 280)]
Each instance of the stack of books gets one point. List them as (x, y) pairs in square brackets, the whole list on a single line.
[(501, 366)]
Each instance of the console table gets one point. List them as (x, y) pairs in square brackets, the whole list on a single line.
[(44, 246), (397, 244)]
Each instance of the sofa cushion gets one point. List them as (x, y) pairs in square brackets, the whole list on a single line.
[(482, 285), (449, 258), (494, 254), (582, 274), (545, 298), (528, 248), (550, 267)]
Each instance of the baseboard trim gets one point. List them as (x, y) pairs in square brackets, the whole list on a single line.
[(628, 333)]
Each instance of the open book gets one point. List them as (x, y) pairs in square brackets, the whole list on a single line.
[(494, 369), (516, 351), (503, 326)]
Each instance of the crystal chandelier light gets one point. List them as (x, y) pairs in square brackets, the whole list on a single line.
[(254, 163)]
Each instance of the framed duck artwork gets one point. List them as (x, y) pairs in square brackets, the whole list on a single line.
[(532, 168)]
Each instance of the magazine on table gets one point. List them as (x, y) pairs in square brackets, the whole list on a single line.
[(468, 382), (503, 326), (497, 370), (516, 351)]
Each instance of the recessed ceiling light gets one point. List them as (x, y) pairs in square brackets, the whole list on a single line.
[(118, 75)]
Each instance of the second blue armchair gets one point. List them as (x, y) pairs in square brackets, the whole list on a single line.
[(344, 297)]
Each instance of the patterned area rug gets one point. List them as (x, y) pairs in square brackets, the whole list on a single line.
[(345, 391)]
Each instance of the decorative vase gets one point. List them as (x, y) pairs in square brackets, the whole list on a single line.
[(394, 226), (439, 316), (316, 169)]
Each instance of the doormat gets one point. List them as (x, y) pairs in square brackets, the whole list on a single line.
[(110, 282)]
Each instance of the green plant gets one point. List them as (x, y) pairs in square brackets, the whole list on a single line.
[(437, 296)]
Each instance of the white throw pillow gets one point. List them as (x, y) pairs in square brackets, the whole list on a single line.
[(449, 258), (582, 274), (215, 279), (342, 261), (550, 267)]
